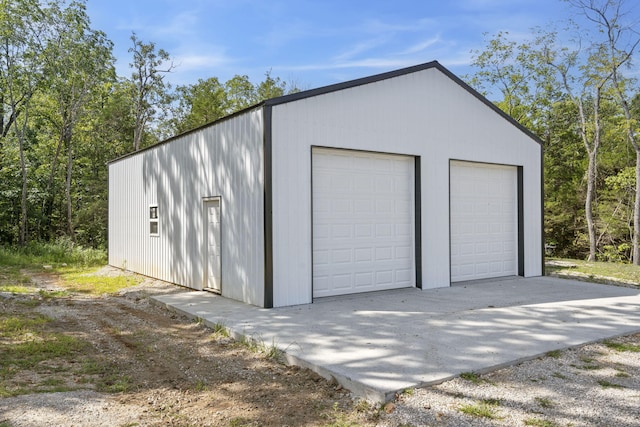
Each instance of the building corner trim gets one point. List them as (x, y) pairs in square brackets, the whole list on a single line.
[(417, 188), (268, 208), (521, 247)]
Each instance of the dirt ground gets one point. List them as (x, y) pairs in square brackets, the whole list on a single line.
[(167, 370), (131, 363)]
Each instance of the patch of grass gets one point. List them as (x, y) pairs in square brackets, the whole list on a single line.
[(115, 383), (554, 354), (91, 367), (26, 344), (83, 280), (362, 406), (74, 264), (608, 384), (559, 375), (52, 382), (16, 289), (482, 409), (409, 391), (537, 422), (27, 354), (52, 294), (15, 327), (339, 418), (220, 329), (272, 351), (249, 343), (471, 376), (11, 276), (598, 271), (620, 346), (589, 365), (62, 251), (239, 422), (544, 402), (200, 386), (257, 345), (31, 302)]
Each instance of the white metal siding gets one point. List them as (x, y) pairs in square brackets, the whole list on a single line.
[(423, 114), (226, 160), (363, 222), (484, 221)]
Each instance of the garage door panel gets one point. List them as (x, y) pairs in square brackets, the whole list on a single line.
[(370, 245), (483, 212), (364, 280)]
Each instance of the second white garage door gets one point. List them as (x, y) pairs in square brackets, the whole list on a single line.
[(363, 222), (484, 221)]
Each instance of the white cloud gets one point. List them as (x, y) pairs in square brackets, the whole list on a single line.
[(189, 62), (421, 46), (379, 26), (379, 63), (182, 24), (282, 35), (361, 47)]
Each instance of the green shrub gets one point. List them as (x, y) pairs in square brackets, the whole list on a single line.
[(62, 251)]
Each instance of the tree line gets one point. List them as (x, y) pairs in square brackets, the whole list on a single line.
[(64, 113)]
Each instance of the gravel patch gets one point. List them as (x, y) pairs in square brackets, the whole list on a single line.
[(78, 408), (593, 385)]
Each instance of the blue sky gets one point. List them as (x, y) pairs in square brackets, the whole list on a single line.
[(314, 43)]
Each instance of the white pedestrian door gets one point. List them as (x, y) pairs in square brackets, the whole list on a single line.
[(212, 245)]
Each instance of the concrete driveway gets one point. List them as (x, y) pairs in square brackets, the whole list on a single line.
[(380, 343)]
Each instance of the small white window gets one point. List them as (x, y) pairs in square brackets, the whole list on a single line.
[(153, 220)]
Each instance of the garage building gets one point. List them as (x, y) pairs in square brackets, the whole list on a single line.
[(408, 178)]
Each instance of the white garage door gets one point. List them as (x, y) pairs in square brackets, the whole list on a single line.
[(363, 222), (484, 218)]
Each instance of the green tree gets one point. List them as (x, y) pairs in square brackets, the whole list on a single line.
[(103, 134), (272, 87), (150, 92), (25, 28), (199, 104), (620, 43), (564, 167), (81, 61), (53, 68), (240, 93), (208, 100)]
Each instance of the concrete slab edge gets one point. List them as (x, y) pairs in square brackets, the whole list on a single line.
[(356, 388), (359, 389), (523, 359), (509, 364)]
